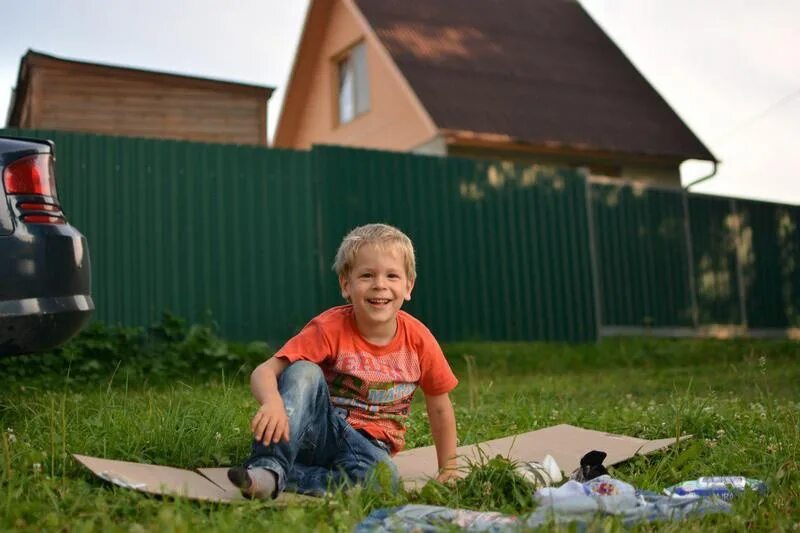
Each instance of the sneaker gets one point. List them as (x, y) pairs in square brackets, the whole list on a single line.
[(255, 483)]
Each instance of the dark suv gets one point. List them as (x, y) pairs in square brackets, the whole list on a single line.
[(45, 274)]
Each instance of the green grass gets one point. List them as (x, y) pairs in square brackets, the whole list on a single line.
[(109, 394)]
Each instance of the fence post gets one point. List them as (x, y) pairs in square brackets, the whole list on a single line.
[(739, 272), (687, 228), (596, 292)]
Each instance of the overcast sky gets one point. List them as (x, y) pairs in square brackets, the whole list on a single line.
[(729, 68)]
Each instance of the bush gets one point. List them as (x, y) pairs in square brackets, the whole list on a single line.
[(167, 350)]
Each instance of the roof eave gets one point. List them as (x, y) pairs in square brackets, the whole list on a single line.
[(499, 141), (280, 126), (33, 55)]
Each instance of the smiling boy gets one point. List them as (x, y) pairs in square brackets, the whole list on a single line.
[(335, 398)]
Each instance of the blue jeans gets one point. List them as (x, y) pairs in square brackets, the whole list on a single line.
[(323, 451)]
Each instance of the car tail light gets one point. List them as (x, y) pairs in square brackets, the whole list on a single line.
[(43, 219), (35, 206), (41, 213), (31, 175)]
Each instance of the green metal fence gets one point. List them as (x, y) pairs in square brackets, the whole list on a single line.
[(716, 269), (668, 259), (247, 235), (503, 250), (196, 229), (642, 256), (769, 253)]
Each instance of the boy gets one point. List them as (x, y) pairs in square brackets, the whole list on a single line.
[(335, 398)]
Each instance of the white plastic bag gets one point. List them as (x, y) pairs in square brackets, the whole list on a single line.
[(542, 474)]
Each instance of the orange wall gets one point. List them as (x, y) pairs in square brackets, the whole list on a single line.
[(395, 121), (656, 172)]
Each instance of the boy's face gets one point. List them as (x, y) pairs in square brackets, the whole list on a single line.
[(376, 286)]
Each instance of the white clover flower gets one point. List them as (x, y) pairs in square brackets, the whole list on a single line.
[(772, 448), (12, 438), (217, 436), (37, 467)]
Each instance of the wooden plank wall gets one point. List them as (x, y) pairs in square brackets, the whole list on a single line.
[(71, 97)]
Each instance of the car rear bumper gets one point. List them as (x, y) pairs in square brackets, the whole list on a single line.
[(45, 288), (37, 324), (44, 261)]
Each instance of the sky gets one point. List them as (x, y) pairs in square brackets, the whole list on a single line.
[(729, 68)]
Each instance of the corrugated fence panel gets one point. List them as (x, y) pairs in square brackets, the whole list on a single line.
[(247, 236), (714, 238), (642, 256), (503, 250), (196, 229), (770, 254)]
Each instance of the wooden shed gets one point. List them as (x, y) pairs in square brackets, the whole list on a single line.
[(60, 94)]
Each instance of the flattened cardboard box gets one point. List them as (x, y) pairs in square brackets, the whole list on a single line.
[(567, 444)]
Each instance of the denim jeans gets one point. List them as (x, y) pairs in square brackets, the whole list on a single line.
[(323, 450)]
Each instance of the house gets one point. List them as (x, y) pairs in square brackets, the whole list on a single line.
[(529, 80), (60, 94)]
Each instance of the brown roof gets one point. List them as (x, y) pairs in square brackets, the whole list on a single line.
[(539, 71)]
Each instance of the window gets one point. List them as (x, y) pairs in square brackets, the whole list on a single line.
[(353, 84)]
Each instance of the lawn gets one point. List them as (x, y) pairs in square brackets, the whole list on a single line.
[(178, 396)]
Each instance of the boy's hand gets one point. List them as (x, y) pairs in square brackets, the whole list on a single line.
[(448, 475), (270, 423), (443, 428)]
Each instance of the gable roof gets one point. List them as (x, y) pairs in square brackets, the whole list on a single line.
[(539, 72)]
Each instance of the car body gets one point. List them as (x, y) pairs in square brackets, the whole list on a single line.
[(45, 272)]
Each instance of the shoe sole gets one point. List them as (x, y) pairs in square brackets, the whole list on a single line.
[(240, 478)]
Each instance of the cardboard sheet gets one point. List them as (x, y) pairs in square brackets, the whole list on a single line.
[(155, 479), (206, 484), (567, 444)]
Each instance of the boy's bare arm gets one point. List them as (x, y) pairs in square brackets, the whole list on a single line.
[(443, 428), (270, 423)]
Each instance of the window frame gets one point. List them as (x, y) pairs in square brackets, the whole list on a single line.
[(348, 62)]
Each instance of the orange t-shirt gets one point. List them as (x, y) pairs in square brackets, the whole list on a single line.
[(374, 384)]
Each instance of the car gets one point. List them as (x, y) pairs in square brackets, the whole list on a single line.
[(45, 270)]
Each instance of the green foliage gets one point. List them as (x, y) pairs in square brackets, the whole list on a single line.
[(489, 484), (168, 350), (171, 395)]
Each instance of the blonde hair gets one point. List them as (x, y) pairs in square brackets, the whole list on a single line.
[(381, 235)]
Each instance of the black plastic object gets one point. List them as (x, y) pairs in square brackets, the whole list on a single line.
[(591, 466)]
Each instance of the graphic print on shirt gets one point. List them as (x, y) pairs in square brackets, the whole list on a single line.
[(358, 383)]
